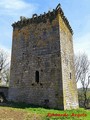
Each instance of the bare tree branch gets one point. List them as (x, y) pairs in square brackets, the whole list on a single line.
[(4, 67), (82, 66)]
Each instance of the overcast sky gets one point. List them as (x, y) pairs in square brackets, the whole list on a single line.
[(77, 12)]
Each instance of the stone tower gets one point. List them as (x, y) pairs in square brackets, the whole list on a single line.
[(42, 65)]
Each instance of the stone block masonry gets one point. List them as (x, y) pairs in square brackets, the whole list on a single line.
[(42, 68)]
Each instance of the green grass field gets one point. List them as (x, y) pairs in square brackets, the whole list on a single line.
[(27, 112)]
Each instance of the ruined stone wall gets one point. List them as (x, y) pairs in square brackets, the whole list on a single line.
[(4, 92), (36, 47), (67, 62)]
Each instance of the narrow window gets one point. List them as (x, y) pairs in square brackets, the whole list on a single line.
[(70, 76), (46, 103), (37, 76)]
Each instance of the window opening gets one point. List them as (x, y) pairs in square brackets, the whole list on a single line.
[(37, 76), (70, 76)]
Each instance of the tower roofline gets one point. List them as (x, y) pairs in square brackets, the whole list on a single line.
[(51, 15)]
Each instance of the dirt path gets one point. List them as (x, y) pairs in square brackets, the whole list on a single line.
[(11, 114), (18, 114)]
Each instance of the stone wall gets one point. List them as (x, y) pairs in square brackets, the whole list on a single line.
[(4, 92), (36, 47), (67, 62)]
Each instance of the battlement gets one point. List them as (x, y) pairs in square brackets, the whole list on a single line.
[(51, 15)]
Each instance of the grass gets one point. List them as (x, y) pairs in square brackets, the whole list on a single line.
[(22, 111)]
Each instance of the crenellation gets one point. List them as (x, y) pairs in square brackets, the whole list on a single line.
[(44, 13), (51, 15), (58, 6), (34, 16), (22, 18), (54, 12)]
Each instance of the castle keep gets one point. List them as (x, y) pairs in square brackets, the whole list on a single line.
[(42, 65)]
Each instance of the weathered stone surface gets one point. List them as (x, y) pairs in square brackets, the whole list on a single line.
[(45, 47), (67, 62), (4, 92)]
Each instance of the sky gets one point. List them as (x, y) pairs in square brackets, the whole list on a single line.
[(77, 12)]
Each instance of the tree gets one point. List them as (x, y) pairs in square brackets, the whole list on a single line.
[(4, 67), (82, 65)]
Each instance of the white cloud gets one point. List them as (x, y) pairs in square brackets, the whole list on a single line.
[(10, 11), (16, 7), (13, 4), (82, 44)]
